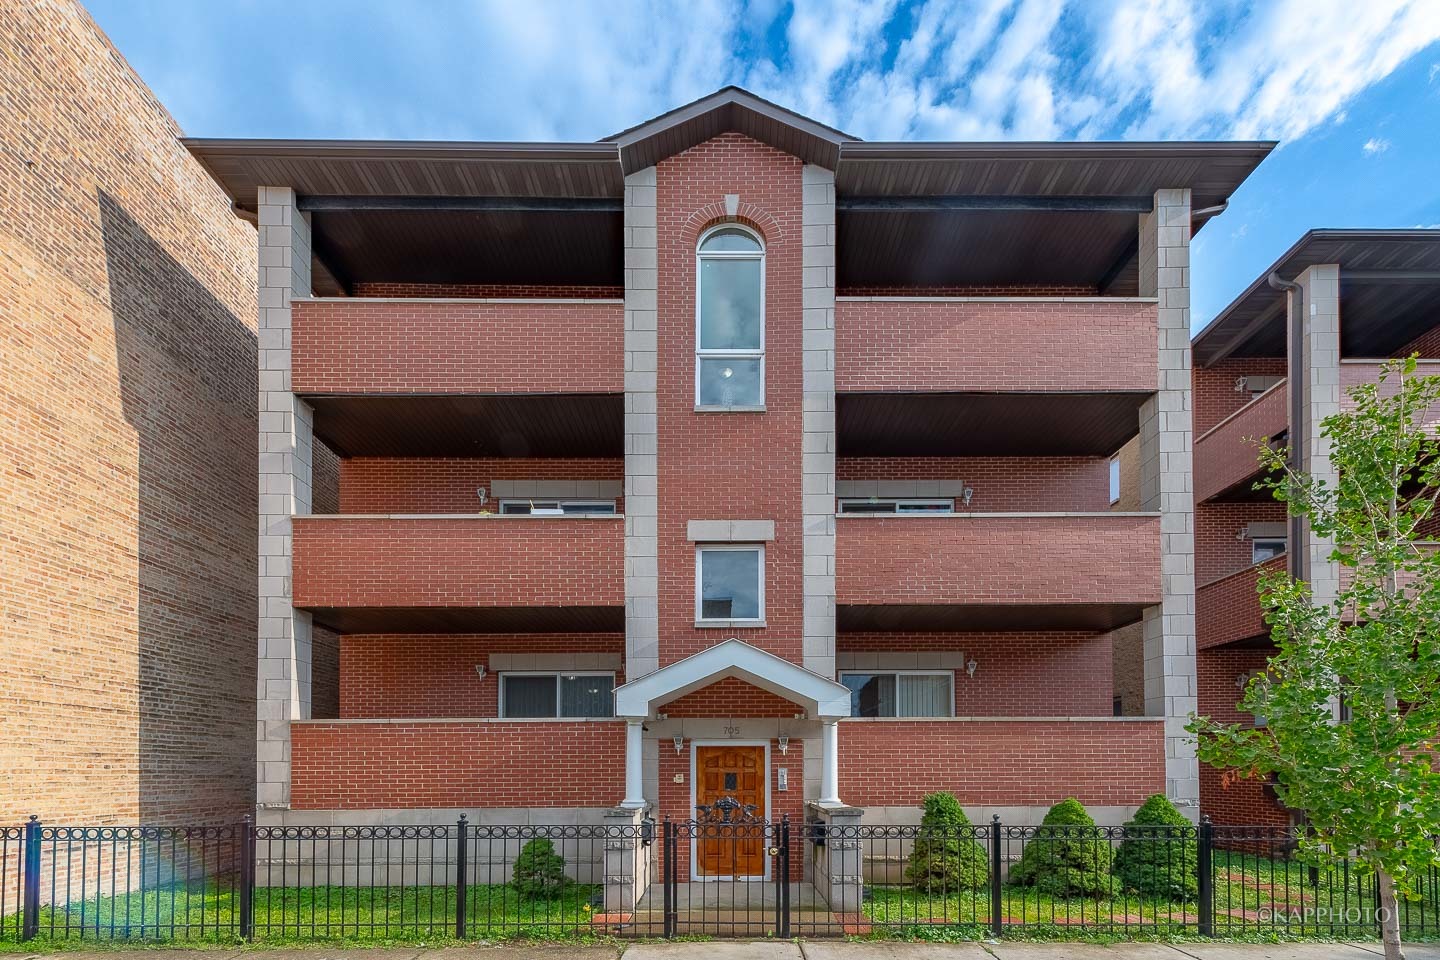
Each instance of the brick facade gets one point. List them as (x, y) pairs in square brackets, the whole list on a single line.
[(449, 484), (1228, 798), (1001, 484), (448, 763), (127, 481), (1220, 548), (1028, 345), (1002, 762), (1214, 387)]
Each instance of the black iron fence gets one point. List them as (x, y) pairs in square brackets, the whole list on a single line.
[(463, 880)]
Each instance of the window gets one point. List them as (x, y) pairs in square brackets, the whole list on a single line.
[(730, 319), (1115, 479), (730, 583), (894, 505), (1266, 548), (901, 693), (555, 508), (577, 695)]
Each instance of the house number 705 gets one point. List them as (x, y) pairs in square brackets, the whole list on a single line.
[(732, 731)]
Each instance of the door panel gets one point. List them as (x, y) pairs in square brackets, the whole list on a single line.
[(736, 849)]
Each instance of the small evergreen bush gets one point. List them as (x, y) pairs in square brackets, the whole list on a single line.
[(946, 856), (1158, 856), (1069, 859), (539, 870)]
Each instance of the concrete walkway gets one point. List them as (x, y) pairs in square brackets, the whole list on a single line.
[(812, 950)]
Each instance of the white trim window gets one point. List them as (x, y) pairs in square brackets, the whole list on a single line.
[(1266, 548), (1115, 479), (906, 505), (525, 507), (900, 693), (730, 584), (729, 319), (527, 696)]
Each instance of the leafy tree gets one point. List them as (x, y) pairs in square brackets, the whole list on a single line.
[(539, 871), (1365, 777), (1068, 856), (1159, 855), (946, 856)]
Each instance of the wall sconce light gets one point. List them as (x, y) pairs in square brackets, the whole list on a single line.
[(480, 670), (970, 668), (679, 742), (784, 745), (802, 715), (483, 494), (966, 494)]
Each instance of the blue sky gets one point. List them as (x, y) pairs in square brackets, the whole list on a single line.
[(1352, 89)]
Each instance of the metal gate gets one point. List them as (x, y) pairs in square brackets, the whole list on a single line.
[(701, 898)]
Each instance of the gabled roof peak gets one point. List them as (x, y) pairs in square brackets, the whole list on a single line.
[(729, 108)]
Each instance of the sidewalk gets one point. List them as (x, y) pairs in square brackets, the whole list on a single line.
[(810, 950)]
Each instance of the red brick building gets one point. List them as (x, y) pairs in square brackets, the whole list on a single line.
[(1364, 296), (727, 456)]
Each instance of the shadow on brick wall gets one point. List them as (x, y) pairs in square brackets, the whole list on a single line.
[(188, 384)]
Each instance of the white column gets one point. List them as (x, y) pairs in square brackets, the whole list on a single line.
[(642, 503), (830, 762), (1318, 369), (634, 764), (1166, 486), (817, 454)]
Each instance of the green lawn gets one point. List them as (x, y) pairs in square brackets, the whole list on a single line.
[(210, 911)]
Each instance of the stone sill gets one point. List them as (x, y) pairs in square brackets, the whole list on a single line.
[(729, 624), (706, 408)]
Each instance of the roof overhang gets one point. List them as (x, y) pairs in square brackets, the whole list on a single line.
[(1389, 294), (821, 696)]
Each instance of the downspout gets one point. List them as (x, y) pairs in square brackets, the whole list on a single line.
[(1297, 561)]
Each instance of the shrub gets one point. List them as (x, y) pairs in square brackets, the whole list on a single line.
[(1068, 856), (946, 856), (539, 870), (1158, 856)]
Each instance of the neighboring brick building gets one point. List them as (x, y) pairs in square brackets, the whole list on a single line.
[(1365, 295), (127, 411), (729, 455)]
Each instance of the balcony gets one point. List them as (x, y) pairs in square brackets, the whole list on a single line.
[(1228, 610), (992, 376), (997, 571), (436, 377), (1226, 458), (460, 574), (1354, 373)]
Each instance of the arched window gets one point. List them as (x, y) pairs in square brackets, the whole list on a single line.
[(730, 319)]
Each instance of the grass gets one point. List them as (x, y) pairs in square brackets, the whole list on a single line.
[(209, 912)]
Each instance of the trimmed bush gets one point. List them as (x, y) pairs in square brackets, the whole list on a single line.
[(1159, 854), (946, 856), (539, 870), (1067, 857)]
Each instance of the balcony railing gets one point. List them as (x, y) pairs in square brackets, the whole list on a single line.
[(999, 559), (412, 346), (995, 344), (1226, 456), (453, 562), (1228, 609)]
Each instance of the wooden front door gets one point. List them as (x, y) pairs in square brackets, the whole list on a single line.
[(737, 849)]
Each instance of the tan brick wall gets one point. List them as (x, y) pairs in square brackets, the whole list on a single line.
[(127, 424)]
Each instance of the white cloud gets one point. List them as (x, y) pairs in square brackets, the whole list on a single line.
[(1374, 146)]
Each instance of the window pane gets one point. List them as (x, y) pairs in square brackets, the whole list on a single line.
[(529, 696), (586, 696), (730, 584), (928, 506), (924, 696), (871, 695), (729, 304), (866, 506), (588, 507), (730, 383), (515, 508), (1262, 550), (731, 241)]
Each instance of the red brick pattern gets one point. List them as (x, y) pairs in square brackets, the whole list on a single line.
[(412, 676), (484, 763), (1001, 484), (1231, 799), (387, 346), (992, 560), (1021, 762), (996, 290), (1229, 610), (1027, 345), (1215, 396), (737, 465), (731, 697), (448, 484), (1228, 454), (481, 291), (511, 561), (1017, 674), (1219, 550)]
